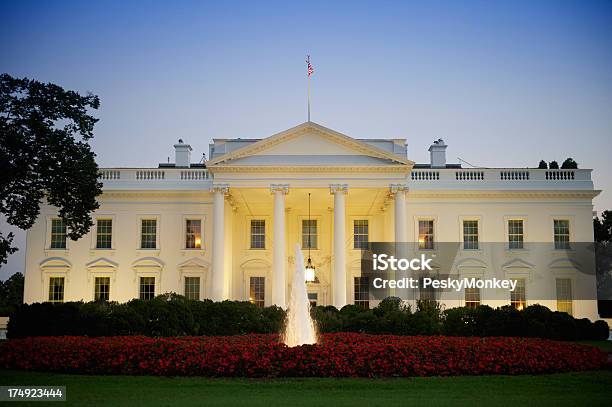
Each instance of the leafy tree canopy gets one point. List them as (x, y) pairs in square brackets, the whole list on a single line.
[(11, 294), (543, 165), (569, 163), (602, 228), (553, 165), (44, 153)]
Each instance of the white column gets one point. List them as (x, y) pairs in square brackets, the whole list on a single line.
[(339, 271), (218, 243), (401, 227), (279, 256)]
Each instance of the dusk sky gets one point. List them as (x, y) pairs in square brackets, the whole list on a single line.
[(504, 83)]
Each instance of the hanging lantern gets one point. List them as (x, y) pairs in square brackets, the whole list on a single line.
[(309, 271)]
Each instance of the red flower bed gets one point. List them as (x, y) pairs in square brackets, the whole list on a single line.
[(339, 355)]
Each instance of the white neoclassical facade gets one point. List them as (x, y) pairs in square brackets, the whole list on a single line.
[(226, 229)]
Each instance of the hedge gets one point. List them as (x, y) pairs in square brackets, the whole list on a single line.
[(174, 315)]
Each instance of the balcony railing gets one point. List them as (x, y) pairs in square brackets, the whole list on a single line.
[(511, 178), (420, 178), (138, 178)]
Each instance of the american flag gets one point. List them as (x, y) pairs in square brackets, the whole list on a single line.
[(310, 68)]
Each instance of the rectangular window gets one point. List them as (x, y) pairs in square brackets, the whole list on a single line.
[(102, 289), (257, 291), (361, 237), (258, 234), (426, 234), (515, 234), (58, 234), (312, 298), (562, 234), (470, 234), (362, 292), (104, 234), (193, 234), (148, 234), (518, 299), (147, 288), (56, 289), (309, 234), (564, 295), (472, 297), (192, 288)]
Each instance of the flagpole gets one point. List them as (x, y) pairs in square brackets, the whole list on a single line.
[(308, 73), (308, 97)]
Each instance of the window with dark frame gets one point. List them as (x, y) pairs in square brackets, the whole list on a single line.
[(470, 234), (515, 234), (361, 234), (426, 234), (56, 289), (147, 288), (518, 298), (562, 234), (309, 233), (148, 234), (257, 291), (258, 234), (362, 292), (192, 288), (102, 289), (58, 234), (104, 234), (193, 234), (472, 297)]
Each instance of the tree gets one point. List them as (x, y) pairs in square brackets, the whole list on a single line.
[(44, 153), (602, 230), (11, 294), (569, 163), (543, 165), (553, 165)]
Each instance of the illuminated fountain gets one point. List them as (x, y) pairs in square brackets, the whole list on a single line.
[(299, 326)]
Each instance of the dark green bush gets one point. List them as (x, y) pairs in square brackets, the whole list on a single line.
[(174, 315)]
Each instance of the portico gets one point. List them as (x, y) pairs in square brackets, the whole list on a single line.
[(275, 175)]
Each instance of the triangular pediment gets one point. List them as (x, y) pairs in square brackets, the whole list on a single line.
[(309, 144), (194, 263), (101, 263), (517, 264), (565, 264), (55, 263), (148, 263)]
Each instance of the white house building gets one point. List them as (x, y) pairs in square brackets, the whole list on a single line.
[(226, 229)]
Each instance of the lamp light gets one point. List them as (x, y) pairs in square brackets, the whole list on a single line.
[(309, 271)]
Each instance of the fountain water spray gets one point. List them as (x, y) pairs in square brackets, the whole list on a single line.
[(299, 326)]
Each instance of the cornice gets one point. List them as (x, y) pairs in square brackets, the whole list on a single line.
[(536, 193), (392, 168)]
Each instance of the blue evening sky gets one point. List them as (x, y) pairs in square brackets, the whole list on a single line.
[(504, 83)]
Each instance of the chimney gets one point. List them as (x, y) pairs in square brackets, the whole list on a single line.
[(437, 153), (182, 154)]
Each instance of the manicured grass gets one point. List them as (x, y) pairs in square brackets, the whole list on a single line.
[(571, 389), (606, 346)]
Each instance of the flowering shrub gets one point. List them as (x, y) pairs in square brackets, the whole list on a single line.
[(338, 355)]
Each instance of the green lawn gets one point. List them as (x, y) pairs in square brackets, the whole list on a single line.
[(606, 346), (571, 389)]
